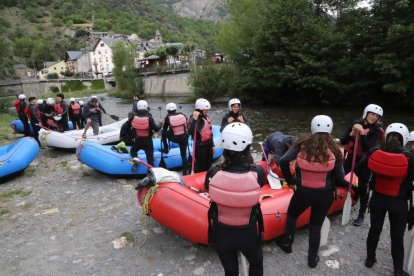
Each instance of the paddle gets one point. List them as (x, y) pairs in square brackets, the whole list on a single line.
[(325, 231), (346, 212), (162, 162), (272, 178), (139, 161), (194, 148), (116, 118), (244, 271)]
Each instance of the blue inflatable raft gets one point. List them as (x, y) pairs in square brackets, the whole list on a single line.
[(17, 156), (18, 127), (104, 159)]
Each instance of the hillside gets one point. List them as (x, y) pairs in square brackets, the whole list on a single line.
[(33, 30), (213, 10)]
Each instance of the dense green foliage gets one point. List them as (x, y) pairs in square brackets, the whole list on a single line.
[(74, 85), (128, 83), (98, 85), (297, 52), (32, 31)]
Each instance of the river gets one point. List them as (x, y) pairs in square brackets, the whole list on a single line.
[(266, 119)]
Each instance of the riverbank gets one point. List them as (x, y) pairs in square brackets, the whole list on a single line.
[(63, 218)]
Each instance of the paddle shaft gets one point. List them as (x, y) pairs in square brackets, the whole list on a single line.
[(264, 153), (354, 154), (194, 147)]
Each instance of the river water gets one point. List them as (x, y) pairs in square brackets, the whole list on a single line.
[(265, 119)]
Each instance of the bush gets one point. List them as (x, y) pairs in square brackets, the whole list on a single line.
[(54, 89), (73, 86), (68, 73), (98, 85), (52, 76), (5, 104)]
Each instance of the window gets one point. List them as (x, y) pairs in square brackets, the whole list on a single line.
[(102, 44), (107, 59), (54, 68)]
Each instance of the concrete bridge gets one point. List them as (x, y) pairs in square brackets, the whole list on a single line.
[(174, 84)]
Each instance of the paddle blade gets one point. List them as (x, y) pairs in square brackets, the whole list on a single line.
[(409, 251), (116, 118), (244, 270), (274, 182), (346, 212), (325, 231)]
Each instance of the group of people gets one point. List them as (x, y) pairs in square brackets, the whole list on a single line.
[(55, 114), (235, 222)]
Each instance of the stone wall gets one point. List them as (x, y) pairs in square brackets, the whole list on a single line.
[(167, 85)]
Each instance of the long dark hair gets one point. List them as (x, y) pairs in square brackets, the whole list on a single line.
[(317, 147), (393, 142), (232, 157)]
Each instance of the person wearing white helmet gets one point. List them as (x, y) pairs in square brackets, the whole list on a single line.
[(91, 113), (20, 105), (74, 113), (175, 129), (410, 142), (370, 133), (392, 169), (61, 111), (235, 217), (143, 125), (201, 130), (100, 107), (47, 112), (234, 115), (82, 119), (33, 114), (318, 170)]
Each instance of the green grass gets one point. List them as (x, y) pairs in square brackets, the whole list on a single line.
[(8, 195), (6, 133), (128, 236), (4, 211)]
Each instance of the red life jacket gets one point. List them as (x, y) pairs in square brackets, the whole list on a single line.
[(17, 105), (235, 195), (177, 124), (390, 170), (29, 114), (350, 145), (58, 109), (206, 132), (75, 108), (314, 174), (141, 126)]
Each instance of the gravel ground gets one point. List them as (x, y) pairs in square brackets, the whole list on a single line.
[(73, 218)]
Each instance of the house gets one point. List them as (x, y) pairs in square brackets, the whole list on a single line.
[(101, 56), (78, 62), (50, 67), (24, 72)]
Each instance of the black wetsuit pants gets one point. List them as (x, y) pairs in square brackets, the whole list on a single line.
[(182, 141), (144, 143), (397, 209), (76, 122), (320, 201), (36, 130), (229, 240), (363, 187), (63, 123), (204, 156), (25, 121)]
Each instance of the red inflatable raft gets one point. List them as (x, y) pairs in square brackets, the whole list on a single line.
[(184, 211)]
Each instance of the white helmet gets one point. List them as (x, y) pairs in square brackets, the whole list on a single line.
[(411, 137), (81, 103), (72, 99), (50, 101), (321, 123), (202, 104), (171, 107), (39, 101), (398, 128), (234, 101), (374, 109), (94, 97), (236, 136), (22, 96), (142, 104)]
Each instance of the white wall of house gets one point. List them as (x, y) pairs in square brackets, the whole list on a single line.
[(101, 59)]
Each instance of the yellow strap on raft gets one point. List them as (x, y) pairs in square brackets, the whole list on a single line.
[(1, 164), (148, 196)]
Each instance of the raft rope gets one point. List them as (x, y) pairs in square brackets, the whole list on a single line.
[(148, 197)]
